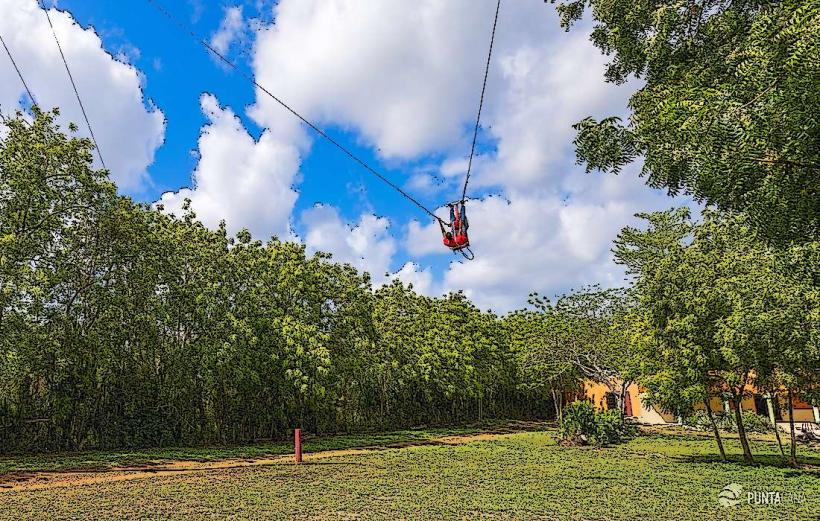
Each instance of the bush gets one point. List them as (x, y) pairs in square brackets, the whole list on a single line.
[(611, 428), (699, 421), (752, 421), (578, 423), (582, 425)]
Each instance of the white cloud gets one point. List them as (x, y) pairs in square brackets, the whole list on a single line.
[(405, 78), (230, 29), (127, 131), (540, 242), (247, 183), (544, 92), (367, 245), (421, 279), (405, 74)]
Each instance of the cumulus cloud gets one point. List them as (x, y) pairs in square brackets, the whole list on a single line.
[(245, 182), (404, 74), (537, 242), (367, 245), (230, 29), (543, 93), (128, 131), (405, 79), (420, 278)]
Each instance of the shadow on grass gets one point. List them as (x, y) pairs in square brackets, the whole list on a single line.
[(341, 463)]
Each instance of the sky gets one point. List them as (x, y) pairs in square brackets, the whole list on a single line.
[(396, 82)]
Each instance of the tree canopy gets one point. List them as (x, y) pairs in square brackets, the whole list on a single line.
[(727, 105), (121, 325)]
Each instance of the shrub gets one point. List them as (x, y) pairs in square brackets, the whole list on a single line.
[(611, 428), (578, 423), (699, 420), (582, 424), (752, 421)]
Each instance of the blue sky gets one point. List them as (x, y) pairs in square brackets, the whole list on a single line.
[(178, 71), (396, 82)]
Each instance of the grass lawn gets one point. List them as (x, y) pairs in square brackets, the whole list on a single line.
[(523, 475), (105, 460)]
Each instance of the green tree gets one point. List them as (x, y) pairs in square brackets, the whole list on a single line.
[(589, 325), (726, 110), (537, 340), (124, 326), (719, 311)]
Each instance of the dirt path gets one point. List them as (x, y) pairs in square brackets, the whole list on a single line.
[(22, 481)]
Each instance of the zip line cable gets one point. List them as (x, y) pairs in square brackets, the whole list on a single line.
[(316, 129), (16, 68), (481, 103), (74, 85)]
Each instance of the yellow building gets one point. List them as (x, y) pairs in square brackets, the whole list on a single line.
[(753, 400)]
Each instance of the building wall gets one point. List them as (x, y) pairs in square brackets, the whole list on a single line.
[(596, 393)]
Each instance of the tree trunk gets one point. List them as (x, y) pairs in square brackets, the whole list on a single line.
[(741, 430), (793, 459), (715, 429), (557, 405), (776, 428)]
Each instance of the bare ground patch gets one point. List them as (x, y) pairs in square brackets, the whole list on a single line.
[(37, 480)]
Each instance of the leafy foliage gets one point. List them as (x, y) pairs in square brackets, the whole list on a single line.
[(720, 311), (727, 110), (752, 422), (122, 326), (578, 423), (582, 424), (588, 331)]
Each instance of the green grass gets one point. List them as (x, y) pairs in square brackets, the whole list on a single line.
[(520, 476), (105, 460)]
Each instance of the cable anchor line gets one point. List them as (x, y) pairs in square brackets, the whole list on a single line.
[(16, 68), (249, 77), (73, 85), (481, 102)]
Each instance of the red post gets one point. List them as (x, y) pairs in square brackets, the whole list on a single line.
[(297, 442)]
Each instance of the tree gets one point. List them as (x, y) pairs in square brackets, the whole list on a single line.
[(798, 327), (589, 326), (719, 311), (543, 362), (727, 107)]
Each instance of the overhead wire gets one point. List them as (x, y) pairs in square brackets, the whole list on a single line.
[(481, 102), (74, 85), (16, 68), (287, 107)]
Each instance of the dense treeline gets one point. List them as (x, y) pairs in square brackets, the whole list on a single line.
[(123, 326)]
